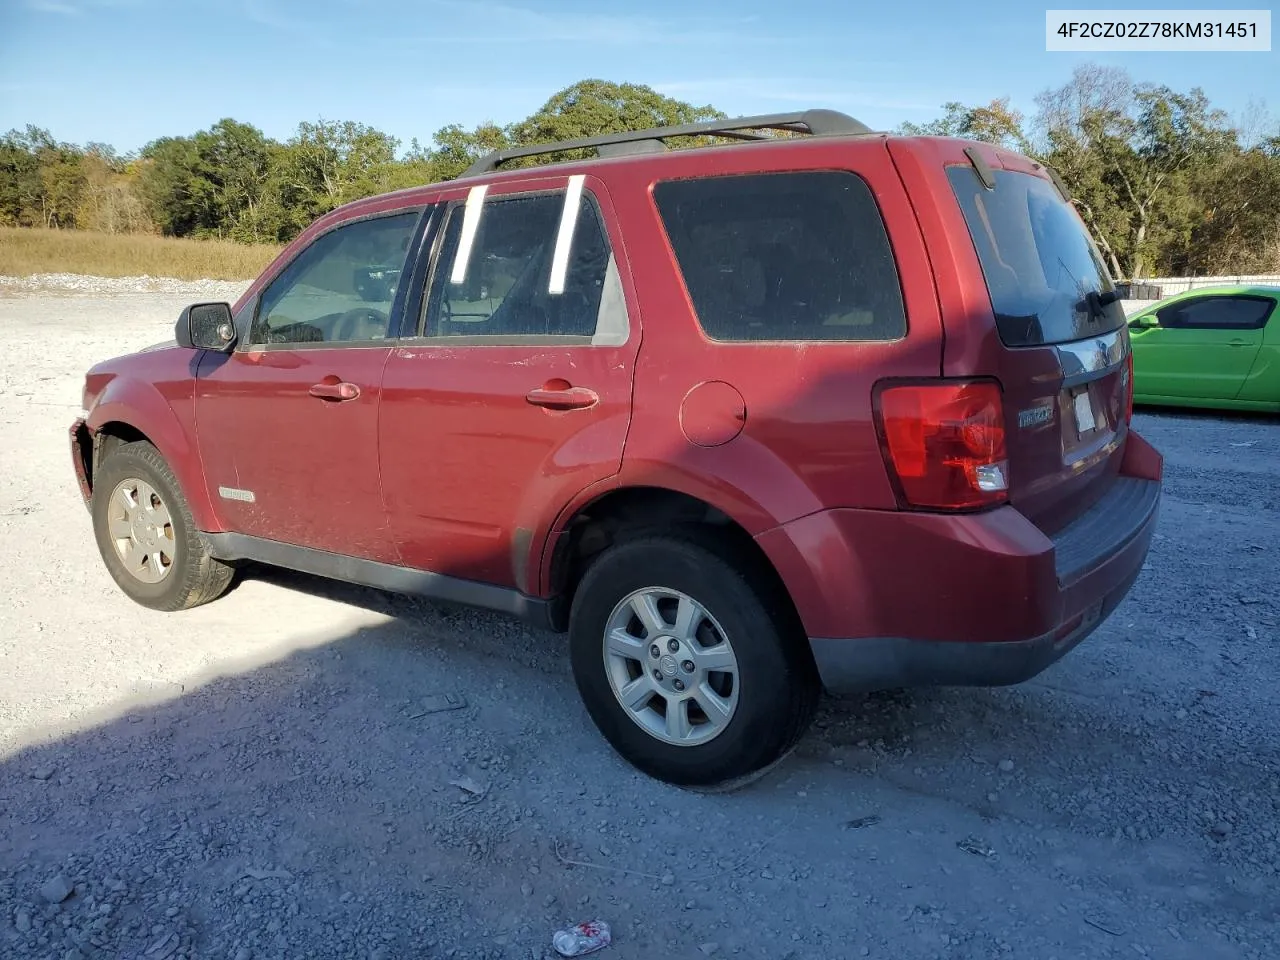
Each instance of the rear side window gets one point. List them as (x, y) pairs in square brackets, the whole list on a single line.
[(784, 256), (1218, 313), (507, 283), (1038, 260)]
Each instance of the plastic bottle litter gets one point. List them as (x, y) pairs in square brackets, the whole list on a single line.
[(582, 938)]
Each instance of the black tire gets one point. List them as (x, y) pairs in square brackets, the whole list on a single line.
[(779, 683), (194, 577)]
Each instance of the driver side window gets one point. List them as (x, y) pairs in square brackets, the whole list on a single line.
[(341, 288), (1218, 313)]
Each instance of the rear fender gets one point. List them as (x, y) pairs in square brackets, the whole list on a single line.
[(773, 495)]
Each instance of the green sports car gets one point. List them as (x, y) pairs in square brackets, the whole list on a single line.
[(1216, 347)]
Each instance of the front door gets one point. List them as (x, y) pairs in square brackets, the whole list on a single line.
[(288, 422), (515, 393)]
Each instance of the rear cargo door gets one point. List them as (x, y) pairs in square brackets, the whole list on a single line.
[(1060, 347)]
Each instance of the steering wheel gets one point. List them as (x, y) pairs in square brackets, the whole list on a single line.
[(348, 326)]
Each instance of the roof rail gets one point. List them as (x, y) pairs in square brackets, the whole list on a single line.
[(818, 123)]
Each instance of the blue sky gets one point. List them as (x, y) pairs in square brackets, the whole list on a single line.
[(127, 71)]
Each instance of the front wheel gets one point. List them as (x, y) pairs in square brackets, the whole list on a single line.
[(146, 535), (688, 662)]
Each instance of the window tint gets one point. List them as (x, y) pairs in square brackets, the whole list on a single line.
[(784, 256), (340, 289), (1038, 260), (504, 287), (1218, 313)]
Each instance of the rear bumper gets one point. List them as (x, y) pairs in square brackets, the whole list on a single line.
[(902, 600), (879, 663)]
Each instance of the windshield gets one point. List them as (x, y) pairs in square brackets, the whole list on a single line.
[(1038, 260)]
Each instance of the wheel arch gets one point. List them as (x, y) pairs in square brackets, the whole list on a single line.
[(128, 412), (588, 528)]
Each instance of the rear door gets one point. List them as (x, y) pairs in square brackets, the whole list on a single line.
[(512, 391), (1204, 346), (1041, 316)]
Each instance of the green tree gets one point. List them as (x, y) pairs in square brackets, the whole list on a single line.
[(20, 181), (1237, 223), (168, 184), (1131, 155), (591, 108), (41, 180), (323, 166), (230, 173), (111, 201), (209, 184), (62, 183), (456, 148), (995, 122)]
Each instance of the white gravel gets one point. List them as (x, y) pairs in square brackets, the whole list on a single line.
[(257, 778), (77, 284)]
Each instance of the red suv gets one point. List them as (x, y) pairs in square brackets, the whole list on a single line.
[(832, 408)]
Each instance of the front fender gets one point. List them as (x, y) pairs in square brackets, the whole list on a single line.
[(145, 407)]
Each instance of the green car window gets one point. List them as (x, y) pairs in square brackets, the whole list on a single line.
[(1218, 313)]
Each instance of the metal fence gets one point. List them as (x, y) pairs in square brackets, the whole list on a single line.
[(1171, 285)]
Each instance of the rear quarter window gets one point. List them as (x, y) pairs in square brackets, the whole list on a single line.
[(784, 256)]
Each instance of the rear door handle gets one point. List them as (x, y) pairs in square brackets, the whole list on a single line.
[(563, 398), (339, 391)]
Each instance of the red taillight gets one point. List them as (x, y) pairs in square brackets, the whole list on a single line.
[(944, 443), (1128, 387)]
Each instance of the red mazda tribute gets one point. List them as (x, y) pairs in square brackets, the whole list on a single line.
[(833, 408)]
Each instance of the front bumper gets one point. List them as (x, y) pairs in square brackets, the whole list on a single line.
[(82, 456)]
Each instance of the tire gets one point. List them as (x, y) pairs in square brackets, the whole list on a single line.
[(186, 575), (770, 693)]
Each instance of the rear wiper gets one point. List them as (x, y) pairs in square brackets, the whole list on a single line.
[(1095, 302)]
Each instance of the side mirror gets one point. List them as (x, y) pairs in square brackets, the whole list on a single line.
[(206, 326), (1145, 322)]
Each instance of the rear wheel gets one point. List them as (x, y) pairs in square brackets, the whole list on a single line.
[(688, 662), (146, 535)]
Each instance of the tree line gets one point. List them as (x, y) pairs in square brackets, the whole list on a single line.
[(1168, 184)]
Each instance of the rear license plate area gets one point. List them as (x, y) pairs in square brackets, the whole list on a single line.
[(1082, 409)]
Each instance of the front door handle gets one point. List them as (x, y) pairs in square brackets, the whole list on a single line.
[(563, 398), (1239, 343), (339, 391)]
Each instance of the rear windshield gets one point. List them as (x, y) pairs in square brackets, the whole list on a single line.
[(1039, 262)]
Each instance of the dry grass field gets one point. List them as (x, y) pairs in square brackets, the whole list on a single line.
[(25, 251)]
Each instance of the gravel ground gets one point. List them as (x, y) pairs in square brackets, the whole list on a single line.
[(257, 778)]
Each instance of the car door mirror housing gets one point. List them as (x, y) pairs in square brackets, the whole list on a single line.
[(1144, 322), (206, 326)]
